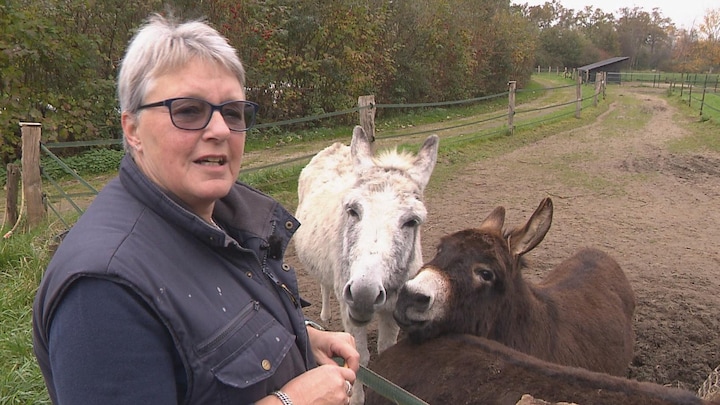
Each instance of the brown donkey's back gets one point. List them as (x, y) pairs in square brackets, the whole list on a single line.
[(466, 369)]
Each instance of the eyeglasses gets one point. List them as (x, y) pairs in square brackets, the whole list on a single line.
[(193, 113)]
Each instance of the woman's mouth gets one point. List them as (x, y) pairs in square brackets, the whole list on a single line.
[(211, 161)]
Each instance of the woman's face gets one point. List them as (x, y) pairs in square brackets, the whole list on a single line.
[(197, 166)]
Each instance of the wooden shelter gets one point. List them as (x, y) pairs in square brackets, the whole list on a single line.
[(612, 66)]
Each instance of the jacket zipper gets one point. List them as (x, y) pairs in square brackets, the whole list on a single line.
[(271, 276), (215, 341), (282, 286)]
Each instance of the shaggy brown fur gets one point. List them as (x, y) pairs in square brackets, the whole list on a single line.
[(466, 369)]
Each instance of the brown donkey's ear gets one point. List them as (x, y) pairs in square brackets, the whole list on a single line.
[(524, 239), (494, 221)]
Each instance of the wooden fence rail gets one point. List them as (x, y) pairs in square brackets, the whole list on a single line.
[(32, 195)]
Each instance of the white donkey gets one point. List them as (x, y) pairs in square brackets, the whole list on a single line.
[(360, 221)]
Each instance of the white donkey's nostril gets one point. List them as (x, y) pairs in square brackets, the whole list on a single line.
[(359, 294)]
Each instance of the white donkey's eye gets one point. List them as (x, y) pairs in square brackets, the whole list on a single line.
[(352, 212), (412, 223)]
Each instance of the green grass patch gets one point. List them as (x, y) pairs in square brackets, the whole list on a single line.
[(633, 115), (23, 257), (704, 131), (279, 182), (710, 106), (666, 78), (705, 106)]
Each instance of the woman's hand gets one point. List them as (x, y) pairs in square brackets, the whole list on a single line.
[(326, 345), (327, 384)]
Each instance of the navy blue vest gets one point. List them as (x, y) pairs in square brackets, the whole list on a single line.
[(230, 303)]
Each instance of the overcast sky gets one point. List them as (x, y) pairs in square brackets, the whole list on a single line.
[(682, 12)]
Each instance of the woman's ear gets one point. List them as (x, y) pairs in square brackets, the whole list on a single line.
[(129, 127)]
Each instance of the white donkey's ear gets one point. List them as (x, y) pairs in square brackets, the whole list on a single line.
[(361, 149), (425, 161)]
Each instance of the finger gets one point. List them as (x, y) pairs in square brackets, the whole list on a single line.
[(348, 374)]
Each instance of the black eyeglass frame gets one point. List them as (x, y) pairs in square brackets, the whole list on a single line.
[(213, 107)]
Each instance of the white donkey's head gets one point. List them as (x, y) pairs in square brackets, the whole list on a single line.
[(381, 225)]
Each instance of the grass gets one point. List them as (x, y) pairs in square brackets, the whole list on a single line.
[(707, 105), (24, 256), (664, 78), (22, 260), (704, 130)]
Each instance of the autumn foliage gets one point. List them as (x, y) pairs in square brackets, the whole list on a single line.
[(59, 59)]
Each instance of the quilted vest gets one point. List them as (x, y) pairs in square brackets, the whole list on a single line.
[(230, 304)]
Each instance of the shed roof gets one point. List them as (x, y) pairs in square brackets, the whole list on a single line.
[(603, 63)]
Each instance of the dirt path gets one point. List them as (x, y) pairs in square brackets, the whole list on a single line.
[(615, 186)]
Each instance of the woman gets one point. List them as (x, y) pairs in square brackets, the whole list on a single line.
[(171, 287)]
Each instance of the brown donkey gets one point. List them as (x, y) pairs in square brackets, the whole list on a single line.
[(466, 369), (580, 315)]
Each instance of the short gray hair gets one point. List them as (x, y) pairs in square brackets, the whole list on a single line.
[(162, 45)]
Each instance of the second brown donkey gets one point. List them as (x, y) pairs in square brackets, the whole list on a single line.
[(580, 314)]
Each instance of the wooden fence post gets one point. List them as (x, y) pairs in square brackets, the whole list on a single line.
[(511, 104), (598, 85), (578, 96), (11, 198), (32, 185), (604, 84), (367, 115)]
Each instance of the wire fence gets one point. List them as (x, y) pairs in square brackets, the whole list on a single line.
[(705, 100), (668, 79), (701, 91)]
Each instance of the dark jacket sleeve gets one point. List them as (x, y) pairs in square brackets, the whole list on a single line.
[(107, 347)]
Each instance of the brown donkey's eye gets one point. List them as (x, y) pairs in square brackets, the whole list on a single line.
[(486, 275)]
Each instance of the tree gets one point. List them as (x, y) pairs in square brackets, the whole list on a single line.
[(599, 27), (644, 37), (59, 58), (59, 65), (710, 29)]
